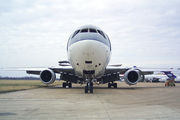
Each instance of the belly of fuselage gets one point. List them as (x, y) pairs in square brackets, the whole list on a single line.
[(89, 56)]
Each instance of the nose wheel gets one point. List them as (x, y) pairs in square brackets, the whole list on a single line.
[(89, 87)]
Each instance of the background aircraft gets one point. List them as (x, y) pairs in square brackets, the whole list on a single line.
[(162, 77), (171, 76), (158, 77)]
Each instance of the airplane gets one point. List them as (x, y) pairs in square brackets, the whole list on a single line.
[(169, 74), (172, 76), (89, 52), (159, 77), (162, 77)]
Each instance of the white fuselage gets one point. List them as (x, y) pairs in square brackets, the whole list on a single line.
[(162, 78), (94, 52), (89, 54)]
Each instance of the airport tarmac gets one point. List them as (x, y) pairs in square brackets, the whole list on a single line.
[(145, 102)]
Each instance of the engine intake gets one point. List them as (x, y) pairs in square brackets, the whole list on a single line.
[(47, 76), (132, 76)]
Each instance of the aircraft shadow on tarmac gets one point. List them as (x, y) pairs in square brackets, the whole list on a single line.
[(102, 87)]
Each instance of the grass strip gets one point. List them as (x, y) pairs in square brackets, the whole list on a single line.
[(16, 85)]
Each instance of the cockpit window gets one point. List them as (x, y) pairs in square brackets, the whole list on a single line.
[(100, 32), (75, 33), (92, 30), (84, 30), (89, 33)]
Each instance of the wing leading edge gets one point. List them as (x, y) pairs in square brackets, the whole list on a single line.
[(123, 70), (38, 70)]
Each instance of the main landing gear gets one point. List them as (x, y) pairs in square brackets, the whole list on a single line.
[(89, 87), (112, 84), (67, 84)]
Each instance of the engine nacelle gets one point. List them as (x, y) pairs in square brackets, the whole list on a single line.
[(132, 76), (47, 76)]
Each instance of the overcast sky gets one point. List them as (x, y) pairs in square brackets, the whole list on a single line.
[(34, 33)]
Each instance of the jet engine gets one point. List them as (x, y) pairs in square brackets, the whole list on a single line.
[(47, 76), (132, 76)]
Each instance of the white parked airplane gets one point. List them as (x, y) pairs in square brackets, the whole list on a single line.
[(165, 75), (89, 52), (156, 78)]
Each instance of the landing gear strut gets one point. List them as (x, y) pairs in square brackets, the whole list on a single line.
[(89, 87)]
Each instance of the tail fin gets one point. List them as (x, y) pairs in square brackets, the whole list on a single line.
[(169, 74)]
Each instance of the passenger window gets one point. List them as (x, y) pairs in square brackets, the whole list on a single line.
[(100, 32), (75, 33), (84, 30), (92, 30)]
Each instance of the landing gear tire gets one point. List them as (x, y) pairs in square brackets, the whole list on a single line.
[(91, 89), (64, 85), (115, 85), (109, 85), (86, 89), (70, 85)]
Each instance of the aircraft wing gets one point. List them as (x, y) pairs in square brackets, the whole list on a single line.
[(110, 70), (123, 70), (37, 70), (64, 69)]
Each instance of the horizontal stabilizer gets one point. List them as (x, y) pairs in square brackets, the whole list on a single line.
[(117, 65), (64, 63)]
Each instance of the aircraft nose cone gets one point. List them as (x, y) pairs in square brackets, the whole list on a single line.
[(88, 46)]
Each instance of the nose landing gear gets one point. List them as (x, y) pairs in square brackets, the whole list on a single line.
[(89, 87)]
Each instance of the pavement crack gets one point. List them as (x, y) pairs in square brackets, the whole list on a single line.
[(104, 107)]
